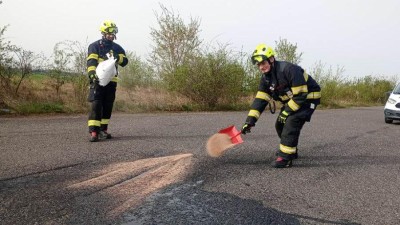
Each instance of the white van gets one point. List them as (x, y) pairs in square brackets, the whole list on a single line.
[(392, 107)]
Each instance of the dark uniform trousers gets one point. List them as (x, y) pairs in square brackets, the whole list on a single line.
[(102, 101), (289, 132)]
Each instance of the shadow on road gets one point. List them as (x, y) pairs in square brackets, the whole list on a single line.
[(188, 204)]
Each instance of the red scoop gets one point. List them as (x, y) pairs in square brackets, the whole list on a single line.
[(233, 133)]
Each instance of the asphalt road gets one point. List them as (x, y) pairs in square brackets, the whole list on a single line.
[(156, 171)]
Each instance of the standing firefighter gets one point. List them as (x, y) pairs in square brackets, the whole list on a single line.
[(299, 93), (102, 97)]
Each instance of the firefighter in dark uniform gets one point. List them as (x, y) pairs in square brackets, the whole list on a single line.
[(299, 93), (102, 97)]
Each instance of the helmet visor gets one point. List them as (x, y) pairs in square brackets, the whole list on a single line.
[(258, 59), (111, 30)]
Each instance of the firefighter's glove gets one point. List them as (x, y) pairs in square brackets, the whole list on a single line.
[(93, 78), (246, 128), (283, 116), (116, 56)]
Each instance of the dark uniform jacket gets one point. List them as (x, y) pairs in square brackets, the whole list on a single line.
[(287, 83), (97, 52)]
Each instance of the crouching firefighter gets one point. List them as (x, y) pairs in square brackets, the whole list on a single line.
[(298, 92), (102, 97)]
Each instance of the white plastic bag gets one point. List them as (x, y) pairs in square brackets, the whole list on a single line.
[(106, 70)]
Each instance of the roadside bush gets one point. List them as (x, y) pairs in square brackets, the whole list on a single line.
[(215, 77), (137, 73), (80, 84), (371, 89), (341, 92)]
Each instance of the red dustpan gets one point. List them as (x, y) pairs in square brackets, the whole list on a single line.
[(223, 140), (233, 133)]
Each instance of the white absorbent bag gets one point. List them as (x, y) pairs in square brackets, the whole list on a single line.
[(106, 70)]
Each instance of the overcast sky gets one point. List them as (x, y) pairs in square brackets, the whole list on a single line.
[(363, 36)]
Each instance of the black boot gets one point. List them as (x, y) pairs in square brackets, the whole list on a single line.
[(104, 135), (282, 163), (94, 137), (295, 155)]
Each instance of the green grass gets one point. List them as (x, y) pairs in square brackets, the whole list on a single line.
[(38, 77), (39, 107)]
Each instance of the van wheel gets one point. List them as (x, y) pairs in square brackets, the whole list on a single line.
[(388, 120)]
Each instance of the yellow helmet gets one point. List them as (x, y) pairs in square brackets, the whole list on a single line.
[(262, 52), (109, 27)]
